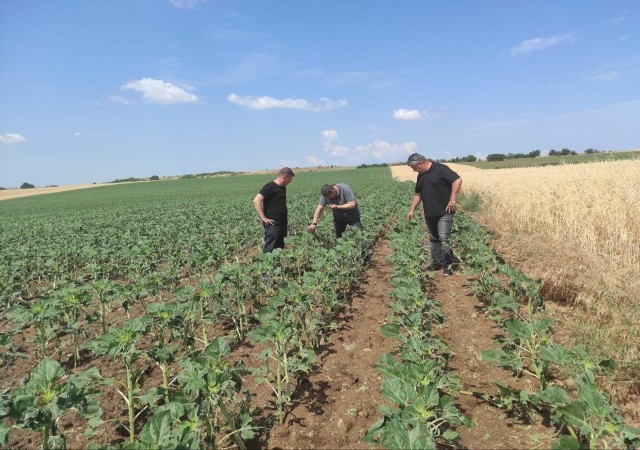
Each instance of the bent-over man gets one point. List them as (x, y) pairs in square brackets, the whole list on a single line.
[(342, 201)]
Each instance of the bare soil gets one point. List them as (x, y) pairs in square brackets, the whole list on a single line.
[(468, 331), (549, 260), (338, 402)]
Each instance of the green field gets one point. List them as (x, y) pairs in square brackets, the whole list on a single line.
[(144, 315), (132, 229), (552, 160)]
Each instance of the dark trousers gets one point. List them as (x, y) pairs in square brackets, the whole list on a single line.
[(339, 226), (439, 239), (274, 237)]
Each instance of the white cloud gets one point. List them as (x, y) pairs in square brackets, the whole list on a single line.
[(407, 114), (379, 149), (414, 115), (315, 161), (289, 163), (383, 150), (121, 100), (339, 150), (330, 135), (617, 20), (186, 4), (531, 45), (604, 76), (11, 138), (76, 134), (158, 91), (481, 155), (265, 102), (335, 150)]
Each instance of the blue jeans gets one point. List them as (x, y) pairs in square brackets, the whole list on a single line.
[(274, 237), (440, 239)]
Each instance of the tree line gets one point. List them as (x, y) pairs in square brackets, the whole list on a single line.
[(532, 154)]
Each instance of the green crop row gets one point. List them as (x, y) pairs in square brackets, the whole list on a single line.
[(284, 301), (416, 380), (127, 232), (577, 407)]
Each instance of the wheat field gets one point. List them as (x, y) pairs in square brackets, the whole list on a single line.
[(595, 205), (577, 228)]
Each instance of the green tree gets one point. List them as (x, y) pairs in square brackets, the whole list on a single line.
[(534, 154), (26, 185)]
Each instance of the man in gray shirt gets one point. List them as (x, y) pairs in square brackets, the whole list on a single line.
[(342, 201)]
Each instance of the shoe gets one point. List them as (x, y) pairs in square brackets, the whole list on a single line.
[(447, 271), (434, 267)]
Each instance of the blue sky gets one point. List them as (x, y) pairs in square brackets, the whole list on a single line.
[(91, 91)]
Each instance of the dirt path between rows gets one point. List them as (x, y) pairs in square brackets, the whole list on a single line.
[(337, 404), (340, 401), (468, 331)]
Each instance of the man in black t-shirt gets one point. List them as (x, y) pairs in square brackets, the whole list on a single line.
[(271, 205), (437, 187)]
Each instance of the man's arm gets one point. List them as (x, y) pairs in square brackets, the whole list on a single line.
[(349, 205), (455, 190), (349, 197), (257, 204), (415, 201), (316, 216)]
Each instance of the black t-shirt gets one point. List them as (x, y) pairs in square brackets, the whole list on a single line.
[(434, 187), (275, 202)]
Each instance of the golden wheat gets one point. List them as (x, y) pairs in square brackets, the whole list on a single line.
[(577, 227), (595, 205)]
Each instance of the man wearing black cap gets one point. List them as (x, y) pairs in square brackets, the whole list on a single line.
[(271, 205), (437, 187)]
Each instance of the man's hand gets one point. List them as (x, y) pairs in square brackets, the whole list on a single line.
[(268, 221), (451, 207), (312, 228), (410, 215), (332, 206)]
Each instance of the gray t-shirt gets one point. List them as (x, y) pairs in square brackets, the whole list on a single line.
[(345, 195)]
